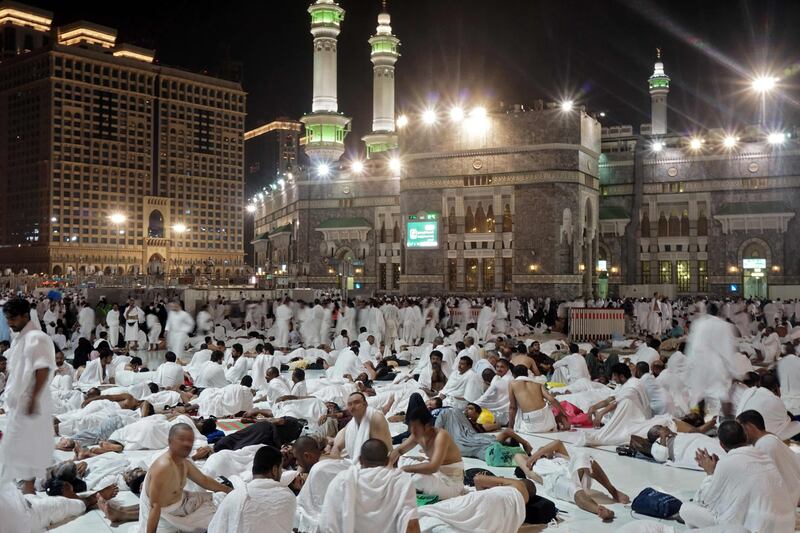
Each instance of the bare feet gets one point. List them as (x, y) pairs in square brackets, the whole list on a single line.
[(109, 492), (605, 514), (115, 515), (620, 497)]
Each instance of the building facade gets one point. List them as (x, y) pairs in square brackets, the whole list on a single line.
[(531, 201), (111, 162)]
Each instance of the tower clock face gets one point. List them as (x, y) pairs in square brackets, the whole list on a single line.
[(346, 189), (477, 164)]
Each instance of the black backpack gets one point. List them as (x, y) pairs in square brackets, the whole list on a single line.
[(539, 510), (650, 502)]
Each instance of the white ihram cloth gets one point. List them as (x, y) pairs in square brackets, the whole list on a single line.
[(462, 388), (225, 402), (682, 449), (356, 434), (162, 399), (190, 514), (276, 388), (747, 489), (47, 511), (93, 374), (772, 409), (630, 417), (710, 351), (261, 364), (539, 421), (447, 482), (789, 375), (133, 317), (660, 400), (346, 363), (476, 512), (561, 475), (196, 363), (179, 325), (229, 463), (785, 459), (282, 317), (255, 506), (27, 446), (495, 398), (676, 387), (211, 375), (112, 319), (359, 499), (309, 409), (312, 495), (575, 365), (169, 375), (152, 433)]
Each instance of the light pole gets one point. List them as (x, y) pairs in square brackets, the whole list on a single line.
[(763, 85), (118, 219), (180, 229)]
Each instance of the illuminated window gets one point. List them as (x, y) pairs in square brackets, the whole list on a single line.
[(645, 272), (488, 274), (382, 276), (471, 277), (702, 276), (396, 277), (684, 276), (665, 271)]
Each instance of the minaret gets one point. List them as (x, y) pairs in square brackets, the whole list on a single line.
[(659, 89), (325, 126), (384, 55)]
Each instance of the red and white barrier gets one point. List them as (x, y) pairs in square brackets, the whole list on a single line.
[(594, 324)]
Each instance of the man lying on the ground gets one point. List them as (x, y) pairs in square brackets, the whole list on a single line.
[(124, 400), (62, 503), (569, 477), (529, 405), (498, 505), (663, 444), (370, 494), (272, 432), (164, 502), (263, 502), (442, 473)]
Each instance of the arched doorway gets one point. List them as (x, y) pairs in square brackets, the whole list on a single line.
[(107, 271), (155, 266), (344, 268), (755, 262), (155, 225), (57, 270)]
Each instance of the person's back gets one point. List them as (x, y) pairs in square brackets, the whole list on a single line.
[(789, 375), (786, 461), (524, 360), (528, 395)]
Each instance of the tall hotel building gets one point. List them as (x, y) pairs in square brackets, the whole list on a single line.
[(110, 162)]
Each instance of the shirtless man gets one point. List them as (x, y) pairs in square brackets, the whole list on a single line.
[(526, 361), (438, 378), (378, 428), (569, 478), (443, 472), (164, 501), (535, 415), (124, 400)]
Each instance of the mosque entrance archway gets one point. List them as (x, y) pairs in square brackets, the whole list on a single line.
[(155, 225), (344, 269), (155, 266), (755, 259)]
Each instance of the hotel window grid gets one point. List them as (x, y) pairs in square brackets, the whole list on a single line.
[(645, 272), (382, 276), (396, 277), (488, 274), (471, 278)]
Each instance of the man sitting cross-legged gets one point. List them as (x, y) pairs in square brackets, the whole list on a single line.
[(442, 473), (569, 477), (164, 503), (370, 494)]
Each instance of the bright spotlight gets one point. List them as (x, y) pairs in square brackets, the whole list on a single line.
[(117, 218), (478, 113), (764, 84), (402, 121), (394, 164), (323, 169), (357, 167), (567, 105), (602, 114), (281, 183), (251, 208), (179, 228), (729, 142), (695, 143), (456, 114), (776, 138), (429, 117), (657, 146)]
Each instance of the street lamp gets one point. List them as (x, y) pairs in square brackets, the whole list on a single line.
[(763, 85), (118, 219), (180, 228), (251, 208)]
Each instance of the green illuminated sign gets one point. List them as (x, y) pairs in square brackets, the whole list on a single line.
[(422, 233), (383, 46), (326, 16), (659, 83)]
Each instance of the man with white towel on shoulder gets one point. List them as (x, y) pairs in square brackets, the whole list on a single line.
[(367, 423)]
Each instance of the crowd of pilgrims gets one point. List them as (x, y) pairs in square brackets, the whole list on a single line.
[(211, 423)]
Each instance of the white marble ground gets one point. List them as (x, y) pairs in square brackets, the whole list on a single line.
[(629, 475)]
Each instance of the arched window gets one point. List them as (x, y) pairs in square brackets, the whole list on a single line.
[(480, 219), (663, 226), (383, 233), (645, 226), (396, 233), (469, 221), (674, 225), (452, 223), (702, 225), (507, 224), (155, 225), (490, 219), (685, 224)]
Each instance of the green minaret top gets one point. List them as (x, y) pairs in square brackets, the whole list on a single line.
[(659, 79)]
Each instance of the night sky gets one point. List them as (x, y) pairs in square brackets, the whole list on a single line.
[(597, 52)]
